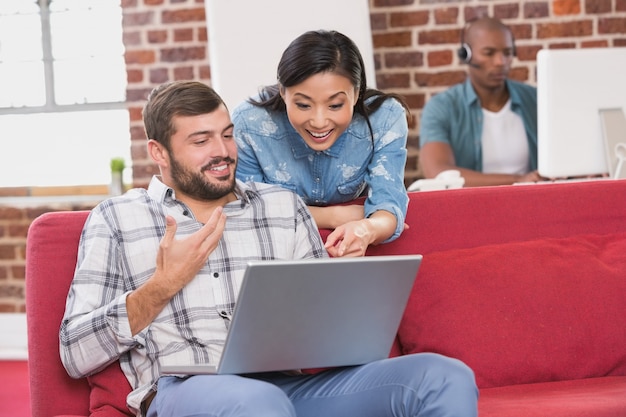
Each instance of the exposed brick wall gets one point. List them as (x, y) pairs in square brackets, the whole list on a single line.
[(164, 40), (414, 47), (12, 249), (14, 223), (414, 51)]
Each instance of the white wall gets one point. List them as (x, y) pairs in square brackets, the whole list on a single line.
[(13, 343), (248, 37)]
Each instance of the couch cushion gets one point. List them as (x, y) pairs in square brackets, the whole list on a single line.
[(535, 311), (593, 397), (109, 389)]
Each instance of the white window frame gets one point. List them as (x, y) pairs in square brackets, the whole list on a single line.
[(51, 105)]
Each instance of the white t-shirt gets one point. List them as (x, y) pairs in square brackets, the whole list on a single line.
[(504, 142)]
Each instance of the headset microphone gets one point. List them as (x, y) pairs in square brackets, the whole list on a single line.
[(464, 52), (465, 55)]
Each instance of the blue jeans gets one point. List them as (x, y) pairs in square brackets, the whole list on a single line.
[(424, 385)]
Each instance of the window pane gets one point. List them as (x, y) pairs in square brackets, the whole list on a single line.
[(22, 84), (80, 61), (63, 148), (21, 54), (99, 25), (90, 80), (26, 46)]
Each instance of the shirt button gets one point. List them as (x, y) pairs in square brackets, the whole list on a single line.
[(216, 275), (317, 179)]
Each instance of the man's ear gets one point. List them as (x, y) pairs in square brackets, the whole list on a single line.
[(158, 153)]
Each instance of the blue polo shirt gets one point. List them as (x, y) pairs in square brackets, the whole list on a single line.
[(455, 117)]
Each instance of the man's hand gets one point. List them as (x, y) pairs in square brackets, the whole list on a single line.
[(178, 262), (532, 176)]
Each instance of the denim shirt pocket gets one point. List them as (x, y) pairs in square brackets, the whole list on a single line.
[(353, 188)]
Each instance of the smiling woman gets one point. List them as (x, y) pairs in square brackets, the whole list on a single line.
[(64, 119), (323, 133)]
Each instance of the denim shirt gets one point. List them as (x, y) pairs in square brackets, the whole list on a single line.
[(272, 151), (455, 116)]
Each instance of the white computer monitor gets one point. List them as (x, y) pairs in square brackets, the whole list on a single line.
[(573, 85)]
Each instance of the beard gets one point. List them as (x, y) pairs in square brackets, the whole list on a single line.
[(197, 186)]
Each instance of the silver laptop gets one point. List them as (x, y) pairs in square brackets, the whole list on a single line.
[(314, 313)]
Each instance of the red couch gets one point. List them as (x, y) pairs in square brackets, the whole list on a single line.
[(526, 284)]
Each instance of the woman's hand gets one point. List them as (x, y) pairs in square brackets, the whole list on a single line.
[(354, 237), (350, 239)]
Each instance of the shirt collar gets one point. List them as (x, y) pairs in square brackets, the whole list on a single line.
[(469, 93), (513, 93), (471, 97), (160, 192)]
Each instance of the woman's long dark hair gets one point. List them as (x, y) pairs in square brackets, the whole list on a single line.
[(321, 51)]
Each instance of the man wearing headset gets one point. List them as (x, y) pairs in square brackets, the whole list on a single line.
[(485, 127)]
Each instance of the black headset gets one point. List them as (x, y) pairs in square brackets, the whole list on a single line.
[(465, 50)]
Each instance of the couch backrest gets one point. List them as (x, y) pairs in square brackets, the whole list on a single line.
[(51, 248), (470, 217)]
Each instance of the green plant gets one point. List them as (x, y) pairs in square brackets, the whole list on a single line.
[(117, 164)]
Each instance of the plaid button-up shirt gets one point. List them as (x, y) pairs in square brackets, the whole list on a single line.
[(117, 254)]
